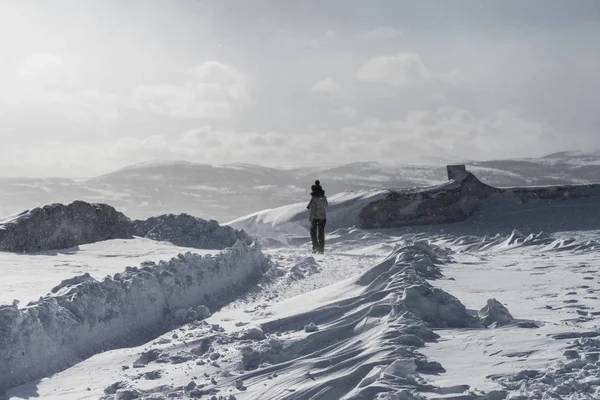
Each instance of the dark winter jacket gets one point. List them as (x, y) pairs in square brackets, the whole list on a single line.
[(318, 206)]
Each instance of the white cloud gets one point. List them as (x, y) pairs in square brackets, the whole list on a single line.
[(329, 86), (346, 112), (213, 91), (456, 132), (402, 70), (47, 69), (47, 84), (380, 34)]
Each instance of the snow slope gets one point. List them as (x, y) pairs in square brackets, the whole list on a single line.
[(276, 223)]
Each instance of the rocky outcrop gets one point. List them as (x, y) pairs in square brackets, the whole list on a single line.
[(59, 226), (451, 202), (456, 200), (188, 231), (85, 316)]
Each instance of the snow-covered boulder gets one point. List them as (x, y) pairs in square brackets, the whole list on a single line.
[(59, 226), (495, 314), (89, 316), (188, 231)]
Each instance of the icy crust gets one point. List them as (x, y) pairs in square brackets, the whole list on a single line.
[(59, 226), (87, 316), (188, 231)]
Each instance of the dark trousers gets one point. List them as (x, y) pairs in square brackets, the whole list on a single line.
[(317, 234)]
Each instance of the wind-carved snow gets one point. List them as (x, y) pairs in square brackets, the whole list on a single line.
[(85, 316), (356, 341), (381, 328)]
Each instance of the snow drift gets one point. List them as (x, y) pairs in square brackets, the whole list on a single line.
[(85, 316), (343, 211), (359, 338), (58, 226)]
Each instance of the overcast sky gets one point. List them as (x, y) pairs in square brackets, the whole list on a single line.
[(90, 86)]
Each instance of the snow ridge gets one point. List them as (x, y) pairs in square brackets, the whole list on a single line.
[(373, 336), (92, 316)]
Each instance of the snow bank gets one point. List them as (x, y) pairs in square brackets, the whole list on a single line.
[(58, 226), (86, 316), (188, 231)]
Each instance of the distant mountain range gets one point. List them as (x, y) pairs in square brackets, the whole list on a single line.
[(230, 191)]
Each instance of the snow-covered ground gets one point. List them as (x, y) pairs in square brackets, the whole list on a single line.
[(26, 277), (361, 322)]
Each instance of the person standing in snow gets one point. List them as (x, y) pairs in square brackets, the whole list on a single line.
[(318, 217)]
